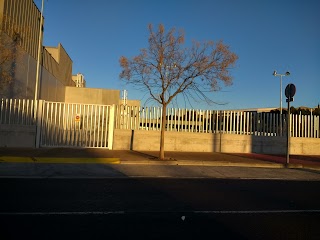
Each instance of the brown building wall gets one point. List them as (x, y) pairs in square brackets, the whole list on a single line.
[(22, 17), (57, 62)]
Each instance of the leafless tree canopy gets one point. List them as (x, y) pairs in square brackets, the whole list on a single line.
[(167, 68), (10, 51)]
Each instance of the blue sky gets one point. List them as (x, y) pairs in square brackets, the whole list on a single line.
[(282, 35)]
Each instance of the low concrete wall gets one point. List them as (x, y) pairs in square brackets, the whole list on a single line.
[(17, 136), (201, 142), (305, 146)]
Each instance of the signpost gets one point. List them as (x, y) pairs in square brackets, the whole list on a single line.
[(77, 118), (289, 92)]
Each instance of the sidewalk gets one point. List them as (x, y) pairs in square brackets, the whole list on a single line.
[(105, 156)]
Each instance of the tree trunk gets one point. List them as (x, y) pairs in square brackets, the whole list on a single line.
[(163, 126)]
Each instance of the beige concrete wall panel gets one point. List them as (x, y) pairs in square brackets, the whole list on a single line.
[(53, 51), (121, 139), (110, 96), (17, 136), (141, 140), (65, 65), (92, 96), (60, 92), (30, 76), (305, 146)]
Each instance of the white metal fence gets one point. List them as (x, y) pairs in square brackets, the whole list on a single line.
[(209, 121), (17, 111), (77, 125), (89, 125), (62, 124)]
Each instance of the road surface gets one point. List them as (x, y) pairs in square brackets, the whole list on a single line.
[(158, 208)]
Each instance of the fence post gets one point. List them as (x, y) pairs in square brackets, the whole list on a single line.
[(111, 126), (39, 115)]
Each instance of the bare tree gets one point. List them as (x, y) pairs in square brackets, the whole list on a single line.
[(10, 51), (166, 69)]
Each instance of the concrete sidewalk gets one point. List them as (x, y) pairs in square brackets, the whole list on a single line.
[(105, 156)]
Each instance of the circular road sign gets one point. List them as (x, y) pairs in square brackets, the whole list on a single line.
[(77, 118), (290, 90)]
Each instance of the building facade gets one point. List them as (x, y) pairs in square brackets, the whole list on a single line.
[(20, 27), (79, 80), (20, 36)]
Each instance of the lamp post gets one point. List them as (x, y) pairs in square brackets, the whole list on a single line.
[(281, 75), (39, 56), (36, 92)]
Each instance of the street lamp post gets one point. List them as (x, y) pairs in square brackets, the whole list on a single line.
[(36, 90), (281, 75), (37, 83)]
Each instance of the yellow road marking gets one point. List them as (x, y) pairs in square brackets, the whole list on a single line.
[(58, 160), (15, 159)]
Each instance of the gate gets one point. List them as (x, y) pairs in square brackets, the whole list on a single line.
[(76, 125)]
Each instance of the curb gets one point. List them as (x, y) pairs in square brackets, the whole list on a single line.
[(218, 164), (205, 163), (56, 160)]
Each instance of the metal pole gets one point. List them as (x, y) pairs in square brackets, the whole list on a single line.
[(281, 122), (281, 94), (288, 133), (39, 55)]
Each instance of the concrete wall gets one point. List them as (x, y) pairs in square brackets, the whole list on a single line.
[(198, 142), (53, 77), (56, 69), (24, 136), (51, 89), (17, 136), (92, 96)]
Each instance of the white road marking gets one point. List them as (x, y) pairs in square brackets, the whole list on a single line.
[(185, 212), (62, 213)]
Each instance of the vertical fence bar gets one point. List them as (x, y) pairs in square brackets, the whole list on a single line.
[(248, 122), (86, 125), (170, 119), (206, 121), (227, 122), (135, 115), (273, 124), (210, 121), (147, 119), (107, 122), (308, 126), (293, 124), (98, 126), (257, 124), (316, 126), (159, 118), (19, 121), (179, 120), (196, 115), (111, 126)]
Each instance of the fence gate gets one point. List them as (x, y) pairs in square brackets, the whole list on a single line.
[(76, 125)]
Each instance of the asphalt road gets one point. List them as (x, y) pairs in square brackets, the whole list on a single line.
[(158, 208)]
